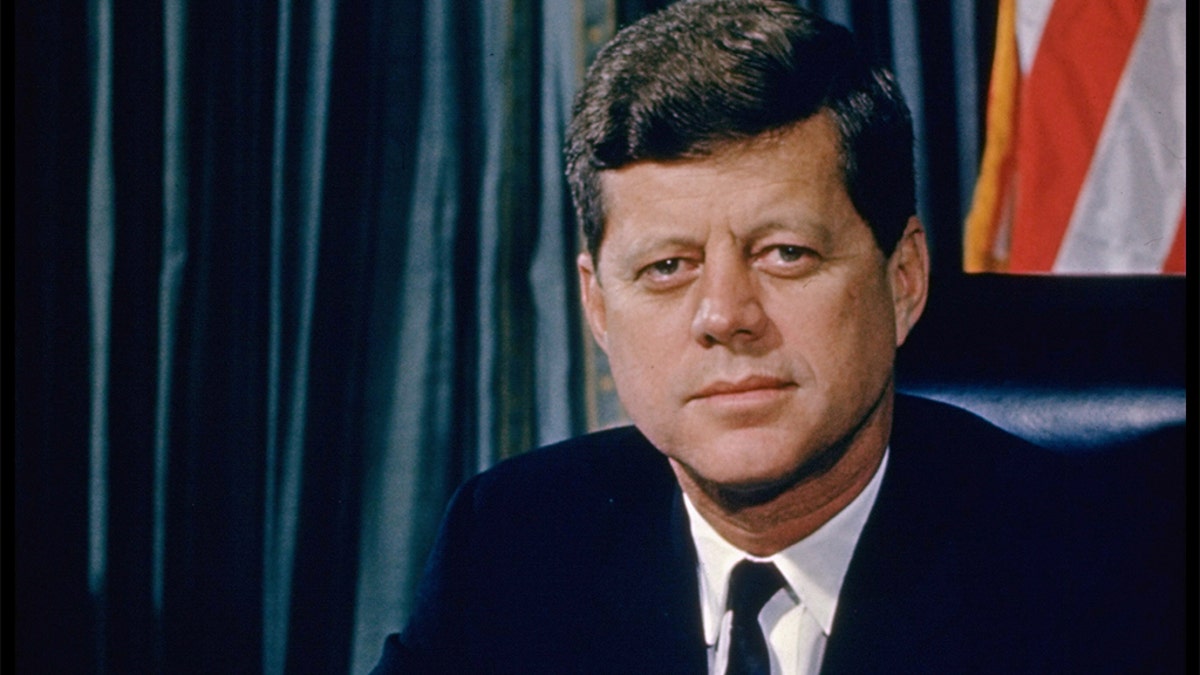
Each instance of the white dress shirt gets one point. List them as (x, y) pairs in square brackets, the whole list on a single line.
[(796, 620)]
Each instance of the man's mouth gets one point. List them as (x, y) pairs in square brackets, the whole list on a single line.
[(748, 389)]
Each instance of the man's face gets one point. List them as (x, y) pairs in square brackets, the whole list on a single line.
[(749, 318)]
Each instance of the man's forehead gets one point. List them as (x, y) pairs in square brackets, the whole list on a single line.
[(820, 141), (804, 151)]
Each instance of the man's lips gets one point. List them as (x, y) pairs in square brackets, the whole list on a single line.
[(747, 387)]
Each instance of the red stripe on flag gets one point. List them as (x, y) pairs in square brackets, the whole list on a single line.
[(1176, 262), (1079, 61)]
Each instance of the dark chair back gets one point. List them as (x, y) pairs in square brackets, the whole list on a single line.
[(1070, 363)]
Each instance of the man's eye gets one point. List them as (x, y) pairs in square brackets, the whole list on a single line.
[(788, 260), (787, 253), (790, 253), (666, 267), (667, 273)]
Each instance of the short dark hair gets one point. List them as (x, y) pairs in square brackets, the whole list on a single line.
[(698, 74)]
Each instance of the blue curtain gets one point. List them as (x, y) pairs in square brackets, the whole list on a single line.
[(287, 272)]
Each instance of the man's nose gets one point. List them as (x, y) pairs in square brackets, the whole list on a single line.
[(730, 311)]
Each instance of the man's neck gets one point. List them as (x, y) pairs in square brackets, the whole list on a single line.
[(765, 527)]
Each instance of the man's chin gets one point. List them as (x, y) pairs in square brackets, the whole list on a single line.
[(741, 489), (746, 493), (738, 482)]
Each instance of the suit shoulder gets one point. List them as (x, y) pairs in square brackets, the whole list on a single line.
[(963, 439), (919, 417), (603, 466)]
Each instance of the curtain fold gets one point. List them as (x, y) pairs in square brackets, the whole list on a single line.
[(405, 480), (100, 246), (488, 244), (171, 276), (305, 43)]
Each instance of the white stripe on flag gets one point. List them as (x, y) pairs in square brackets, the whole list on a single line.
[(1030, 22), (1128, 209)]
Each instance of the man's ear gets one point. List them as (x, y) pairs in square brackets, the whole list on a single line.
[(592, 297), (908, 272)]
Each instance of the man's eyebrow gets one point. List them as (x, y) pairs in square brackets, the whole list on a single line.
[(799, 225), (646, 246)]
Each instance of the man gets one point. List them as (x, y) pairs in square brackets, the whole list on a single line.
[(744, 179)]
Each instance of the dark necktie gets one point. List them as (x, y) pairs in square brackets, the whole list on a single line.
[(751, 584)]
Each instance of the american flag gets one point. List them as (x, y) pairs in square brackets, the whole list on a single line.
[(1083, 171)]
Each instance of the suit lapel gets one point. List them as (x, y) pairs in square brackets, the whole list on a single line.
[(903, 596), (653, 609)]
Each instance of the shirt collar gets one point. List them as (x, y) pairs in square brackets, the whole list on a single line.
[(814, 567)]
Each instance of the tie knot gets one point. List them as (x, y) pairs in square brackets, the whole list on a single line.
[(751, 584)]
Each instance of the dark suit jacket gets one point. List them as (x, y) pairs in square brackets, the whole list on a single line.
[(981, 554)]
